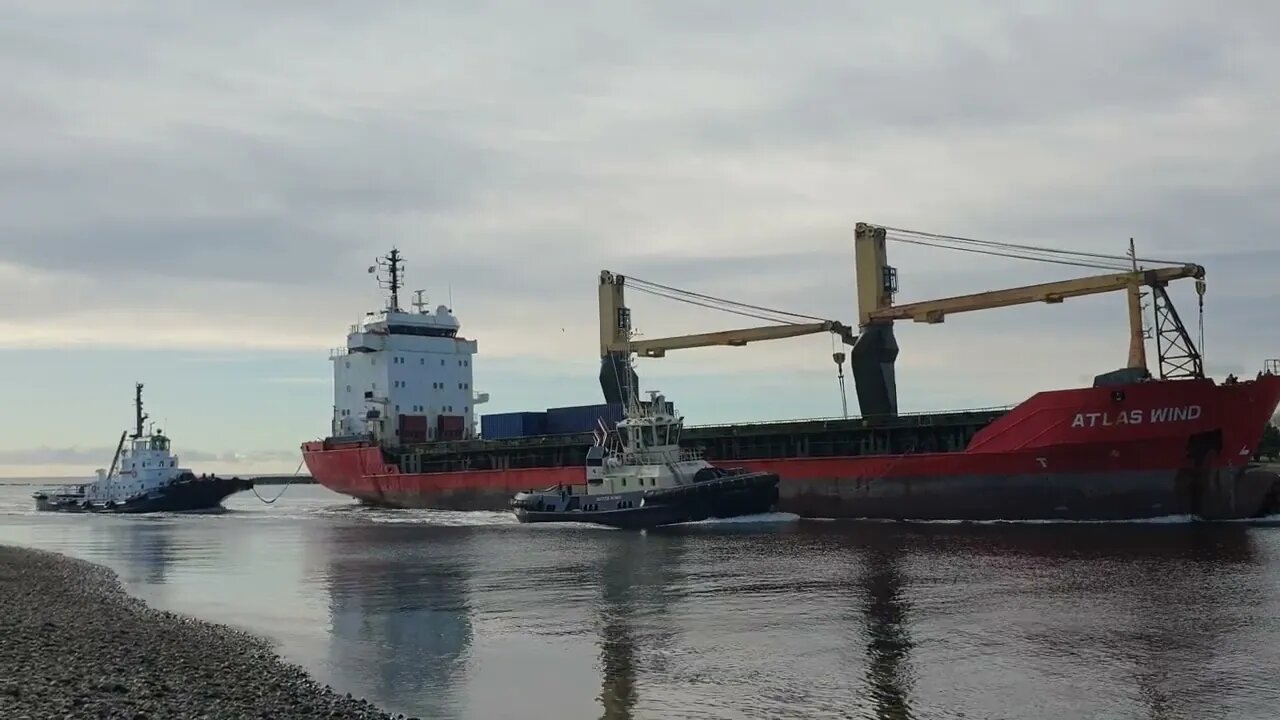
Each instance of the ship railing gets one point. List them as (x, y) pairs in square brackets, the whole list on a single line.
[(338, 352), (901, 419), (657, 457)]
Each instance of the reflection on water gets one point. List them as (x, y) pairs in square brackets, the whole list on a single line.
[(633, 580), (888, 645), (146, 548), (456, 616), (399, 613)]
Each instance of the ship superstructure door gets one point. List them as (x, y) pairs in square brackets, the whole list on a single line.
[(595, 467)]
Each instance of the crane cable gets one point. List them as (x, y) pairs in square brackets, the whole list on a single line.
[(711, 298), (722, 308), (716, 303), (1013, 247), (1056, 261), (1057, 256)]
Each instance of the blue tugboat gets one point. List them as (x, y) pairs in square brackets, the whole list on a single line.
[(144, 477), (638, 476)]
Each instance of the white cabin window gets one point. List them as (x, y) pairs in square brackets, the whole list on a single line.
[(348, 388), (422, 361)]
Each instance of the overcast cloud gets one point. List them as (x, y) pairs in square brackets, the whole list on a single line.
[(231, 168)]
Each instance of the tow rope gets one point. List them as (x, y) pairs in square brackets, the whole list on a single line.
[(265, 501)]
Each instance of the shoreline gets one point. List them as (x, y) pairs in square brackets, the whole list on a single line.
[(77, 644)]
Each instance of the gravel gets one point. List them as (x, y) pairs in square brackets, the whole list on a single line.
[(74, 644)]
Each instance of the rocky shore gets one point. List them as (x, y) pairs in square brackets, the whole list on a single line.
[(74, 644)]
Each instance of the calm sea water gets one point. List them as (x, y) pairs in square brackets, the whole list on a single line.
[(469, 615)]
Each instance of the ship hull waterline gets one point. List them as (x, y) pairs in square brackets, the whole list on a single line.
[(190, 496), (1151, 450), (1229, 494)]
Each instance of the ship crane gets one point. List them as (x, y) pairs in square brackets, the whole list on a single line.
[(873, 347), (617, 378), (876, 350)]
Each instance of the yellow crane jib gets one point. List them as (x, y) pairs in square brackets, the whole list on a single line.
[(616, 336), (935, 311)]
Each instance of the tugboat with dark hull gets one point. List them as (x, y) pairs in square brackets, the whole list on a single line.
[(142, 478), (638, 476)]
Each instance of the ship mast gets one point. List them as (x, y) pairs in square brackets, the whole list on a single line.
[(393, 262), (137, 410)]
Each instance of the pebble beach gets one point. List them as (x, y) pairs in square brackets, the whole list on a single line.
[(76, 645)]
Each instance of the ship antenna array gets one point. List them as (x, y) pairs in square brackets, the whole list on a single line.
[(730, 306)]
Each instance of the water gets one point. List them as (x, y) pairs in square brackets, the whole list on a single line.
[(469, 615)]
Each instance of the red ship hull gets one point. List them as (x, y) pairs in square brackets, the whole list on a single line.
[(1151, 449)]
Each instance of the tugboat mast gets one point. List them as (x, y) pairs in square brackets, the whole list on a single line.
[(137, 410)]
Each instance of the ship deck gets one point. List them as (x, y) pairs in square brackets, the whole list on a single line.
[(819, 437)]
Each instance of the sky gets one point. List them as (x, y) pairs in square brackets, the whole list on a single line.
[(191, 193)]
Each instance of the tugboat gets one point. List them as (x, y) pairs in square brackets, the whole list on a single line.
[(638, 476), (148, 480)]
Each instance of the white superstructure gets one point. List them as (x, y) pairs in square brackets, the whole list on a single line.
[(643, 452), (405, 376)]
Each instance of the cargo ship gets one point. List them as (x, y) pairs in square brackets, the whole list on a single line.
[(1133, 445)]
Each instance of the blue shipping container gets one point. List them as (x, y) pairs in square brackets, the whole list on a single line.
[(582, 418), (512, 425)]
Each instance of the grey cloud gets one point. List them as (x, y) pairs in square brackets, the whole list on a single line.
[(1026, 69), (101, 456), (513, 152)]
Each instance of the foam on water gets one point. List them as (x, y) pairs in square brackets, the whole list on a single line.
[(762, 518)]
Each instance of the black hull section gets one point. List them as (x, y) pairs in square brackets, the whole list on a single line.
[(182, 496), (736, 496)]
